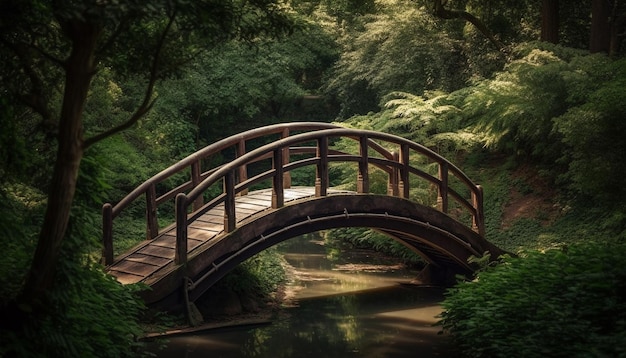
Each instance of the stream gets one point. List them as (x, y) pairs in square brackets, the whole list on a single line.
[(355, 306)]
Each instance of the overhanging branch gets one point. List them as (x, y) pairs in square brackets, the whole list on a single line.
[(443, 13), (148, 100)]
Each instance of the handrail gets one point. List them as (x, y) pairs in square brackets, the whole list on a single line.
[(398, 165), (234, 175), (237, 142)]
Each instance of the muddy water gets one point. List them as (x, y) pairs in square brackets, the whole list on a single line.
[(357, 306)]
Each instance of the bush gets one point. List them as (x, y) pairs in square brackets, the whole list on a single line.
[(567, 302), (86, 314)]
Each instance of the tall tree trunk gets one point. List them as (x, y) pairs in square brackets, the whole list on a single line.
[(618, 28), (550, 21), (600, 40), (80, 68)]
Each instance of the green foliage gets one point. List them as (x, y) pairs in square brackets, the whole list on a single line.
[(88, 313), (401, 48), (370, 239), (566, 302), (558, 107), (259, 275), (593, 133), (21, 209)]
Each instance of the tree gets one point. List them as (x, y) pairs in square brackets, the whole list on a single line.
[(600, 39), (52, 43)]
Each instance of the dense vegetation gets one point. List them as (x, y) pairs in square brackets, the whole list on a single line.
[(98, 96)]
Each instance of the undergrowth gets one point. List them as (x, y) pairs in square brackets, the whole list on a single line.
[(561, 302)]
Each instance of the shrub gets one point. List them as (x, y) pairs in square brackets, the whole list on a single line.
[(567, 302)]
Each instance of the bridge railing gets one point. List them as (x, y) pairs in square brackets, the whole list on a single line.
[(192, 166), (396, 163)]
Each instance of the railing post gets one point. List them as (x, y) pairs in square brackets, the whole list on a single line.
[(478, 220), (107, 234), (180, 255), (195, 181), (321, 172), (442, 190), (363, 181), (392, 184), (278, 192), (229, 202), (243, 170), (152, 225), (403, 182), (286, 156)]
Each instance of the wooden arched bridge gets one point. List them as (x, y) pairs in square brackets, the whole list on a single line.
[(228, 212)]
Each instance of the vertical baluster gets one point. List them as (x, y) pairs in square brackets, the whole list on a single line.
[(363, 181), (243, 170), (286, 157), (321, 177), (195, 181), (278, 192), (478, 220), (442, 191), (392, 184), (180, 255), (152, 226), (403, 182), (229, 202)]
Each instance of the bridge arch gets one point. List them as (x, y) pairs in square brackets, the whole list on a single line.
[(442, 242)]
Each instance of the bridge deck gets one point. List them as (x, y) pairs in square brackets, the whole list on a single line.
[(148, 259)]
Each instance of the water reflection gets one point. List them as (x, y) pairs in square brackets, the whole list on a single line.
[(336, 314)]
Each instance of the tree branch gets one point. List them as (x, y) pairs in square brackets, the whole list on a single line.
[(148, 101), (443, 13)]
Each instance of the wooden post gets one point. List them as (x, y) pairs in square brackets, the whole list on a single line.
[(403, 182), (321, 177), (229, 202), (442, 191), (152, 225), (363, 181), (107, 234), (286, 157), (478, 220), (180, 255), (278, 192), (243, 170), (195, 181), (392, 183)]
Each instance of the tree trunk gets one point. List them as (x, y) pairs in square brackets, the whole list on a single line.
[(79, 68), (600, 26), (550, 21), (618, 29)]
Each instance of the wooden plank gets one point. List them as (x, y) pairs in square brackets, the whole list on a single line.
[(240, 212), (192, 243), (260, 201), (135, 268), (200, 234), (158, 251), (208, 226), (125, 278), (165, 240), (251, 206), (151, 260)]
